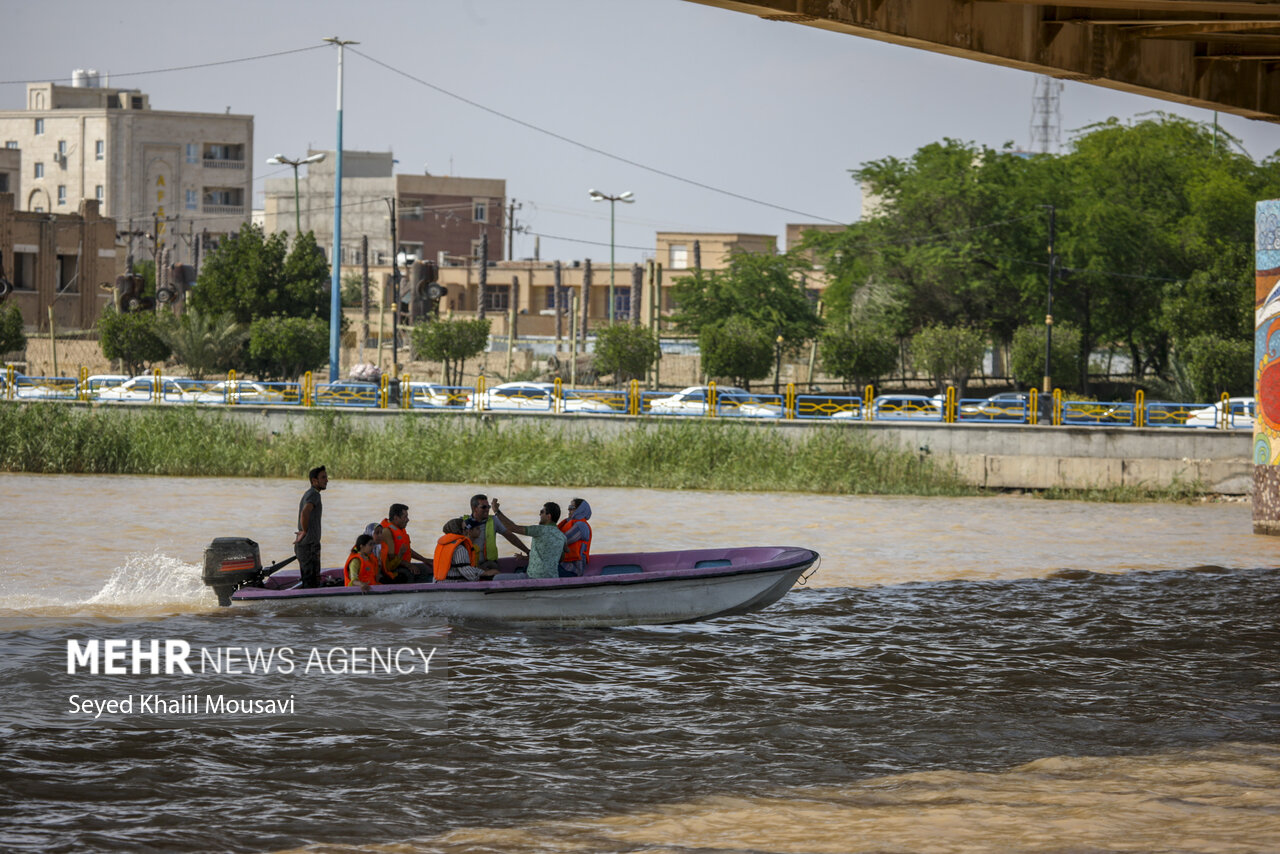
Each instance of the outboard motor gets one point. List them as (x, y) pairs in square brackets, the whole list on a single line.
[(231, 563)]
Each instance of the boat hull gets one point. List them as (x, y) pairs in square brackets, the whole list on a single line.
[(618, 590)]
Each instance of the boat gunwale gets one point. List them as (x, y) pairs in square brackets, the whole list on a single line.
[(525, 585)]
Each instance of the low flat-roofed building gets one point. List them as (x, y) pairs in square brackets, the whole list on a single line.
[(58, 260)]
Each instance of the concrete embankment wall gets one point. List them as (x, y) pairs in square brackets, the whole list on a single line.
[(1011, 456)]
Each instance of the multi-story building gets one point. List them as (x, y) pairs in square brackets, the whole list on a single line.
[(437, 217), (167, 172), (58, 261)]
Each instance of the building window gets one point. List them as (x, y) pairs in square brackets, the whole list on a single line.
[(480, 210), (12, 143), (62, 148), (99, 150), (622, 303), (193, 153), (62, 194), (39, 170), (193, 200), (227, 197), (39, 126), (497, 297), (100, 193), (679, 256), (67, 269), (135, 102), (223, 151), (564, 298), (413, 212), (24, 271), (4, 182), (475, 250)]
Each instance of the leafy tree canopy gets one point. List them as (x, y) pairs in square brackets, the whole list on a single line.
[(253, 276), (625, 351), (285, 348), (766, 290), (133, 337), (451, 342), (736, 348), (859, 354), (205, 344), (12, 338), (949, 354)]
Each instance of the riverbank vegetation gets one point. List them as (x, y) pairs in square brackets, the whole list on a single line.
[(58, 439)]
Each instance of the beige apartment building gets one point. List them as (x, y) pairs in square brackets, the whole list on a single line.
[(438, 217), (57, 261), (167, 172)]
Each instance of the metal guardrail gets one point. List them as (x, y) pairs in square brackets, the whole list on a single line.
[(705, 402)]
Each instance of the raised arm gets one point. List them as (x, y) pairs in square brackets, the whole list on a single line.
[(512, 527)]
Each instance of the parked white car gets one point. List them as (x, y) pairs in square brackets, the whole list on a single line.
[(240, 391), (436, 395), (1240, 414), (730, 401), (535, 397), (172, 390), (891, 407)]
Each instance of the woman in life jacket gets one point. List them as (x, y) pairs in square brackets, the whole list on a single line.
[(361, 567), (456, 554), (577, 539)]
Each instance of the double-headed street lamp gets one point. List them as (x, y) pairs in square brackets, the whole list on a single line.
[(280, 159), (597, 196)]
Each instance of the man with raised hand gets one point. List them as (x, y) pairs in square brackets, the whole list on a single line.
[(547, 541)]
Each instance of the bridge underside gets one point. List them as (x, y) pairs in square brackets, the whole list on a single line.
[(1216, 54)]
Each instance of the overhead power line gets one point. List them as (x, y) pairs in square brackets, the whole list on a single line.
[(586, 147), (176, 67)]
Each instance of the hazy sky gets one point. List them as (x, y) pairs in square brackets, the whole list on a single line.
[(774, 112)]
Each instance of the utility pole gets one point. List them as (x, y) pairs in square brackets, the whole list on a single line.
[(584, 303), (364, 295), (558, 296), (511, 229), (395, 294), (482, 290), (1047, 387)]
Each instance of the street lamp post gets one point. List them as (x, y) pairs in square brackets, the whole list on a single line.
[(335, 304), (627, 197), (280, 159)]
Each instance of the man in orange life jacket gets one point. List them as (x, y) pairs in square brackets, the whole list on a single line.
[(577, 539), (397, 553)]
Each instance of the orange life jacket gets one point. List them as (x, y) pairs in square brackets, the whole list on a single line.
[(580, 550), (399, 547), (366, 569), (445, 547)]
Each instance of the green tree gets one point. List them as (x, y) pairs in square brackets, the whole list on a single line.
[(1027, 356), (451, 342), (12, 338), (1215, 365), (352, 290), (625, 351), (736, 348), (859, 354), (767, 290), (285, 348), (133, 337), (252, 276), (949, 354), (205, 344)]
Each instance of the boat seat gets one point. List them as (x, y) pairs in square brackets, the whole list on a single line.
[(621, 569), (511, 576), (707, 564)]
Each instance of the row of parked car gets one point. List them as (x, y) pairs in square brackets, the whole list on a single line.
[(731, 401), (1014, 406)]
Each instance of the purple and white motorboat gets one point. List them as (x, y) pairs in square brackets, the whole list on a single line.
[(617, 589)]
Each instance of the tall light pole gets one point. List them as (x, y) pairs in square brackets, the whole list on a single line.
[(335, 303), (280, 159), (627, 197)]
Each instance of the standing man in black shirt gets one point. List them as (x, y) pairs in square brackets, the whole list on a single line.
[(306, 544)]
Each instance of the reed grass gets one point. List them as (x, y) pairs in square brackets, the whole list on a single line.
[(55, 438), (696, 454)]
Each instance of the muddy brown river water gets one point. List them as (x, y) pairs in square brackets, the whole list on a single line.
[(986, 674)]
